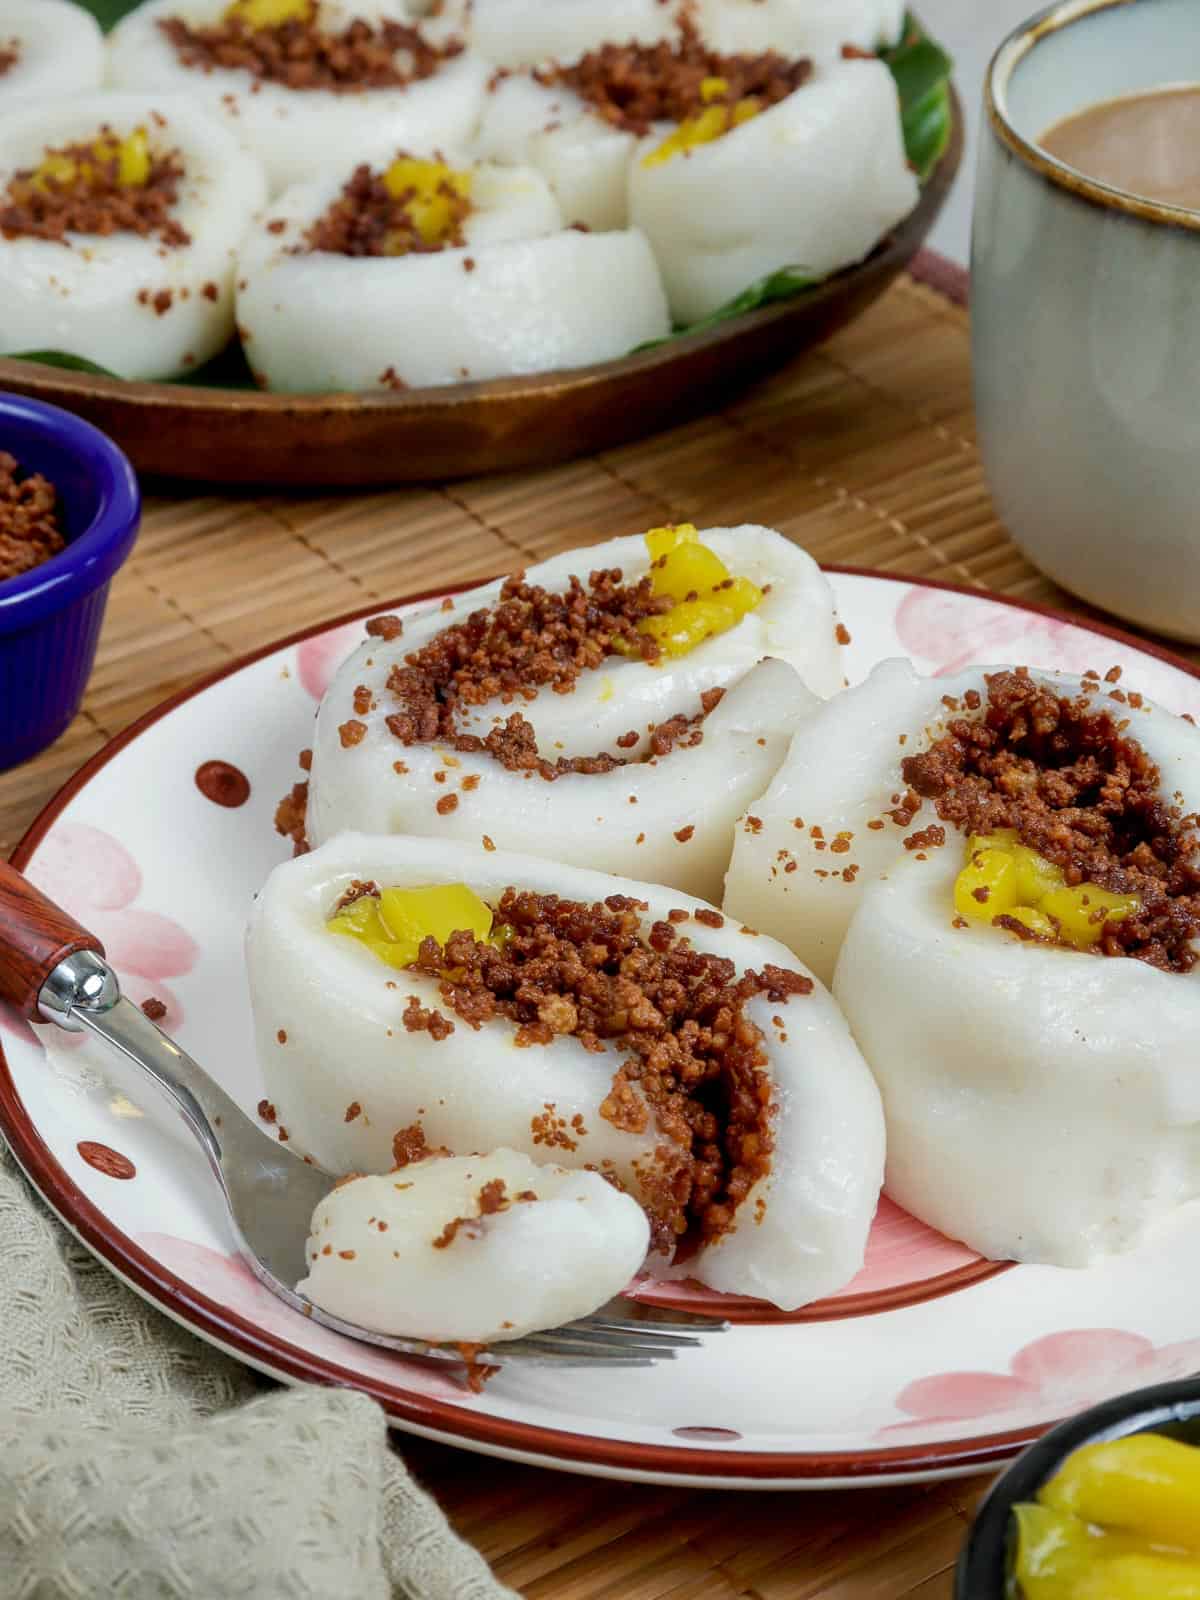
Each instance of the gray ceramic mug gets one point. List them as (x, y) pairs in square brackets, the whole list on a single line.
[(1085, 308)]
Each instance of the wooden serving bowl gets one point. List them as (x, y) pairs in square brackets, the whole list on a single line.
[(235, 436)]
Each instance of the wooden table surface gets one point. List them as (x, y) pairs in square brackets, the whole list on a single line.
[(864, 453)]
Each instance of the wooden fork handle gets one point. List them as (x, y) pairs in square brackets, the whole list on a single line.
[(35, 935)]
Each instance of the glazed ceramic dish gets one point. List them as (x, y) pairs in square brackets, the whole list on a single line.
[(933, 1361), (50, 617), (1083, 318), (1172, 1409), (243, 436)]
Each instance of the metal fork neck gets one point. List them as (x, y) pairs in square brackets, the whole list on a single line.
[(83, 995), (81, 983)]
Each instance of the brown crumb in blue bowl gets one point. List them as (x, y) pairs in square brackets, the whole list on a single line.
[(29, 528)]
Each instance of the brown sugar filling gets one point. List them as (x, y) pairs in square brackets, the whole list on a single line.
[(1063, 774), (29, 527), (300, 55), (633, 86), (94, 201), (689, 1055), (10, 54), (532, 639), (367, 219)]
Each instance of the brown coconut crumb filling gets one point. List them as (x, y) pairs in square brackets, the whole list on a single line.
[(94, 201), (300, 55), (531, 639), (689, 1055), (29, 529), (633, 86), (367, 219), (1063, 774)]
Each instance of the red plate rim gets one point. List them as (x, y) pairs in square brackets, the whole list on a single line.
[(454, 1423)]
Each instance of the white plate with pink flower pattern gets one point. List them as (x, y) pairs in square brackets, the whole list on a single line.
[(932, 1362)]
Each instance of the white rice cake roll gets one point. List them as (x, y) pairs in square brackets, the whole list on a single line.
[(672, 818), (515, 33), (444, 1250), (824, 830), (1042, 1103), (816, 28), (130, 303), (297, 133), (837, 805), (813, 182), (330, 1035), (57, 50), (588, 819), (584, 159), (522, 295)]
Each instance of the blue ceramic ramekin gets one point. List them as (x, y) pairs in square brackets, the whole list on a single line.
[(1171, 1408), (50, 618)]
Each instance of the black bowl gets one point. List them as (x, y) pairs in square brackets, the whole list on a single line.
[(1170, 1408)]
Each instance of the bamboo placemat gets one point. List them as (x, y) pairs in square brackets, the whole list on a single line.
[(864, 453)]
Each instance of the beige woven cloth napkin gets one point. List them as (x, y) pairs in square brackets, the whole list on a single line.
[(139, 1463)]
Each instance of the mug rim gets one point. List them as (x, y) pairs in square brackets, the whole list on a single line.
[(1011, 52)]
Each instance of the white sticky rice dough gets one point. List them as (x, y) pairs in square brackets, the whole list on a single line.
[(843, 780), (59, 51), (515, 33), (585, 160), (1041, 1102), (410, 1254), (95, 295), (816, 28), (812, 183), (298, 133), (828, 812), (522, 295), (589, 820), (330, 1035)]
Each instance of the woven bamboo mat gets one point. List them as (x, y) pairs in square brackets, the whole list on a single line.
[(864, 453)]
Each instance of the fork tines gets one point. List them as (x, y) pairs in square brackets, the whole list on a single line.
[(603, 1341)]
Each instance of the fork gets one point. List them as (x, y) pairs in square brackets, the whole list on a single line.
[(53, 970)]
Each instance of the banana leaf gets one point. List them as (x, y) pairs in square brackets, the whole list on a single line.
[(108, 12), (59, 358)]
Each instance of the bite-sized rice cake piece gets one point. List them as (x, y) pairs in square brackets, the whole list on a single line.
[(48, 49), (1029, 1000), (492, 285), (122, 213), (671, 816), (818, 28), (1042, 1103), (574, 1032), (835, 815), (840, 811), (579, 119), (515, 33), (548, 126), (718, 198), (659, 804), (473, 1249), (319, 84)]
